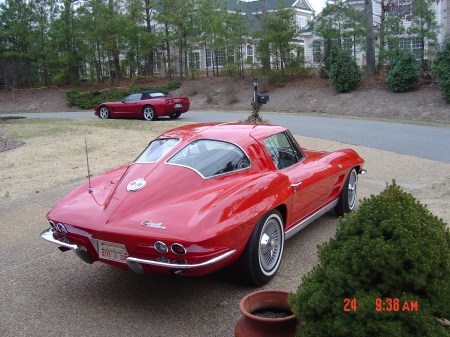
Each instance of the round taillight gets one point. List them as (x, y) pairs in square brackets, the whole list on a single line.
[(64, 239), (61, 228), (56, 237), (178, 249), (161, 247), (180, 261), (163, 259)]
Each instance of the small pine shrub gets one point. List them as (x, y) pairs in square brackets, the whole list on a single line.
[(441, 69), (344, 73), (392, 247), (404, 74)]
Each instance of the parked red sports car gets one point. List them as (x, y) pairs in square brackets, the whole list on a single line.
[(148, 105), (205, 196)]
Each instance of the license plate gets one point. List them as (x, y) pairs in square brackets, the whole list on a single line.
[(178, 105), (112, 251)]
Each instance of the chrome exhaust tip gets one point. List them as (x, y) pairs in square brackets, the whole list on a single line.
[(82, 253), (136, 267)]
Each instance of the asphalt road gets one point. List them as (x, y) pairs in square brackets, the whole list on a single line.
[(427, 142), (44, 292)]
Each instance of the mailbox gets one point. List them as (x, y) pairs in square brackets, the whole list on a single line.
[(263, 99)]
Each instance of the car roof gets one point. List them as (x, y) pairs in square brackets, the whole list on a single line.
[(149, 92), (239, 133)]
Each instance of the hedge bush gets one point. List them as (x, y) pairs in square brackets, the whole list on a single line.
[(90, 99), (405, 73), (392, 247), (441, 69), (344, 73)]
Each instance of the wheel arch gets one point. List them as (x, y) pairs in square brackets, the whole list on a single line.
[(283, 211)]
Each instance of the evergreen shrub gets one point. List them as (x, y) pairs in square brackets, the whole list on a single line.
[(344, 73), (441, 69), (392, 249), (405, 73)]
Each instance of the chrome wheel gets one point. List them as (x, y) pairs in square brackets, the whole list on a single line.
[(270, 245), (347, 199), (103, 112), (149, 113), (261, 258), (352, 182)]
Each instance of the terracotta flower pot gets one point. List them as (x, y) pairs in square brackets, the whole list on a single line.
[(254, 323)]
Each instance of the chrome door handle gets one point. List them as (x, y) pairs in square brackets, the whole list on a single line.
[(294, 186)]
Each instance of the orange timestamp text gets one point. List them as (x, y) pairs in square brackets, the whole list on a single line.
[(387, 304)]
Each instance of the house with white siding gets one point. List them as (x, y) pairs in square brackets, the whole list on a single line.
[(204, 58), (314, 44)]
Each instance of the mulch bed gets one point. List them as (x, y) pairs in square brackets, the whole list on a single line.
[(9, 144)]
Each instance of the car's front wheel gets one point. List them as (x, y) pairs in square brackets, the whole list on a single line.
[(103, 112), (261, 258), (149, 113), (347, 199)]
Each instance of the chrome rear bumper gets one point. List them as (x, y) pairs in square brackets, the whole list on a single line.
[(133, 261)]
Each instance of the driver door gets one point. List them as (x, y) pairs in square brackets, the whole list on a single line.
[(307, 177), (130, 105)]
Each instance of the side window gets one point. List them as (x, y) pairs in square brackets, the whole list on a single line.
[(283, 149), (133, 98), (156, 150)]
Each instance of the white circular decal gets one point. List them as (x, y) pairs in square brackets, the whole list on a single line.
[(136, 185)]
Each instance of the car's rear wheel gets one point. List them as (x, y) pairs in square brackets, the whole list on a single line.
[(175, 115), (347, 199), (149, 113), (261, 258), (103, 112)]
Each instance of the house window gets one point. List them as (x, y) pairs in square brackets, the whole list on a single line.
[(301, 21), (347, 45), (157, 61), (317, 51), (249, 53), (221, 57), (208, 58), (412, 44), (194, 60), (400, 8)]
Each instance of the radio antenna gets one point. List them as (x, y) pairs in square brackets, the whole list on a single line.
[(89, 171)]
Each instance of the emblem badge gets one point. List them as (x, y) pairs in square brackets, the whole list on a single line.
[(151, 224), (136, 185)]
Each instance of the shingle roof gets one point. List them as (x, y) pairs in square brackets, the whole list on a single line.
[(257, 6)]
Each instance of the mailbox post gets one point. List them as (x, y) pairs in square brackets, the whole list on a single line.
[(257, 103)]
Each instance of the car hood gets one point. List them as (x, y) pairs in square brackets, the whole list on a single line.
[(174, 203)]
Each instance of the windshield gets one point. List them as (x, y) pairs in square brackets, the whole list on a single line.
[(211, 158), (156, 150), (133, 97)]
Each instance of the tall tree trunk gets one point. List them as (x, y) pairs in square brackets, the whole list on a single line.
[(151, 61), (180, 53), (370, 39), (169, 61)]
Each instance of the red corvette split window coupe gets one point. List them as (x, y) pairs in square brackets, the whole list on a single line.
[(148, 105), (204, 196)]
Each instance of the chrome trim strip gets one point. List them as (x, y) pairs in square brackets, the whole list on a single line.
[(181, 266), (48, 236), (302, 224)]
